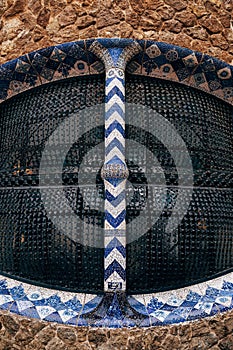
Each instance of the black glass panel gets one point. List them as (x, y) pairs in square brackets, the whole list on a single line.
[(201, 245), (38, 240)]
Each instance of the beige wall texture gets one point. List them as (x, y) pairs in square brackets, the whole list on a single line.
[(21, 333), (202, 25)]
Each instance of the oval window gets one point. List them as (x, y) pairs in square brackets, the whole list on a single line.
[(179, 154)]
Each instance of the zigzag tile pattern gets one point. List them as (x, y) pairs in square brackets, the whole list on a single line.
[(187, 304), (46, 304), (116, 310), (115, 258), (114, 171), (115, 245)]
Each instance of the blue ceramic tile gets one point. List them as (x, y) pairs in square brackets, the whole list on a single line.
[(227, 285), (128, 323), (54, 317), (212, 293), (114, 310), (14, 308), (73, 304), (146, 322), (179, 315), (192, 298), (154, 305), (155, 322), (136, 305), (92, 304), (80, 322), (17, 292), (31, 312), (215, 309), (196, 314), (220, 308), (167, 307), (74, 321), (5, 306), (3, 287)]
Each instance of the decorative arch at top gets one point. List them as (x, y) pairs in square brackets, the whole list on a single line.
[(156, 59)]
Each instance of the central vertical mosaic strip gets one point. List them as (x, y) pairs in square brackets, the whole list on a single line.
[(114, 171), (114, 174)]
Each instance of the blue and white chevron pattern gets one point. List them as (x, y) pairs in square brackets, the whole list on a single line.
[(115, 174), (114, 171)]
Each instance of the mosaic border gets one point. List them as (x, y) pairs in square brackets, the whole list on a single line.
[(156, 59), (117, 310)]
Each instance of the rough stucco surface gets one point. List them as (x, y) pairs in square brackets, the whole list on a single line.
[(17, 332), (202, 25)]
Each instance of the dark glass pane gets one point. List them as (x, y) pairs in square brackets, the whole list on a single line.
[(39, 242), (201, 246)]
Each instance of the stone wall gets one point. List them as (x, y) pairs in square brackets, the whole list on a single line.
[(26, 334), (202, 25)]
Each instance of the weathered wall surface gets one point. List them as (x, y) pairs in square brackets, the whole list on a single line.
[(202, 25), (24, 334)]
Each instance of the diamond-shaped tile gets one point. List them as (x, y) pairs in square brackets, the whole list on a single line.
[(211, 293), (204, 306), (199, 78), (44, 311), (192, 298), (174, 301), (22, 66), (47, 73), (73, 304), (92, 304), (58, 55), (160, 314), (182, 73), (178, 315), (55, 302), (3, 287), (190, 61), (67, 314), (196, 314), (224, 300), (76, 51), (39, 60), (35, 295), (153, 51), (138, 306), (31, 312), (23, 305), (4, 299), (54, 317)]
